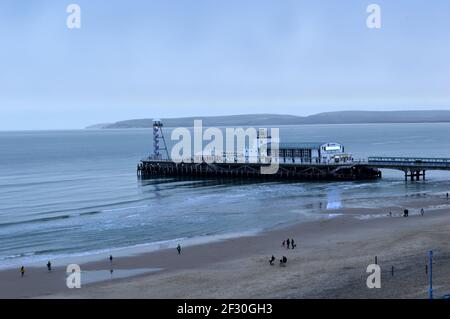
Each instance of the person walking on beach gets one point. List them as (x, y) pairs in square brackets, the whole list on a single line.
[(447, 195), (22, 271), (292, 243), (49, 266), (179, 249), (110, 259), (284, 243), (288, 242), (271, 260), (422, 212)]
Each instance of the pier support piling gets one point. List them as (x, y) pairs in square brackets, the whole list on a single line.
[(414, 175)]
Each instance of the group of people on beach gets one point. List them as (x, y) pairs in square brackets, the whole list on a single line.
[(406, 213), (49, 264), (22, 268), (283, 261), (289, 243)]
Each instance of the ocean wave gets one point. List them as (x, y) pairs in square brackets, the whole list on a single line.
[(10, 257), (95, 212), (37, 220), (369, 216), (75, 213)]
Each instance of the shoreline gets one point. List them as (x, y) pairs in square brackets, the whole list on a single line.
[(127, 251), (324, 235), (353, 208)]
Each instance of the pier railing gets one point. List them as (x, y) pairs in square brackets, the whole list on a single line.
[(400, 163), (268, 161), (419, 162)]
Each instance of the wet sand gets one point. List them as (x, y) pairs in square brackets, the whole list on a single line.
[(330, 261)]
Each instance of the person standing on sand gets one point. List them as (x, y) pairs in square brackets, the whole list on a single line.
[(22, 271), (422, 212), (288, 242), (271, 260), (110, 259), (49, 266), (292, 243), (284, 243), (179, 249)]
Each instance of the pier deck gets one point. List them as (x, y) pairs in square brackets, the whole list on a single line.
[(413, 168)]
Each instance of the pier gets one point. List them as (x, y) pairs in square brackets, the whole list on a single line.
[(413, 167), (297, 161), (299, 171)]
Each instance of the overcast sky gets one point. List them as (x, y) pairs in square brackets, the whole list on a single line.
[(170, 58)]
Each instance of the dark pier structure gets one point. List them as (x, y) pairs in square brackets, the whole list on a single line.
[(301, 171)]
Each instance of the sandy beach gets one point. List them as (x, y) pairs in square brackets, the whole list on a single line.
[(330, 261)]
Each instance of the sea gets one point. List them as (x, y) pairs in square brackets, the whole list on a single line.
[(74, 193)]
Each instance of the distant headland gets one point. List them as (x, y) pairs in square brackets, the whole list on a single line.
[(340, 117)]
